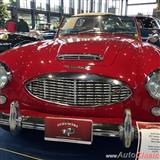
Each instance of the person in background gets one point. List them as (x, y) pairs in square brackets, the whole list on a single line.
[(22, 26), (11, 25)]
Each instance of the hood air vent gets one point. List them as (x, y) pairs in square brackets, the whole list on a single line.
[(79, 57)]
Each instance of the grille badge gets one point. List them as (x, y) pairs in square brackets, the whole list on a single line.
[(68, 131), (78, 67)]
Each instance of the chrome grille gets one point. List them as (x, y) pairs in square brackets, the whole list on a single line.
[(86, 90), (79, 57)]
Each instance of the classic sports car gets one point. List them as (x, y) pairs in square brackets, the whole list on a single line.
[(97, 78), (9, 40)]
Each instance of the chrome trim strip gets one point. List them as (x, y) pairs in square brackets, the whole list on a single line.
[(108, 130), (39, 127), (75, 91), (67, 140)]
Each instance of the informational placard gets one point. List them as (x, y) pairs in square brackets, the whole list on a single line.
[(148, 141)]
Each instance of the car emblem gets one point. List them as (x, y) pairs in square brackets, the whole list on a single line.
[(77, 67), (68, 132), (116, 91)]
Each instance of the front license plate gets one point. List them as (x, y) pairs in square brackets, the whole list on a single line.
[(68, 130)]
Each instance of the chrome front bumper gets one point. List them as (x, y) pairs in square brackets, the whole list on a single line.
[(126, 132)]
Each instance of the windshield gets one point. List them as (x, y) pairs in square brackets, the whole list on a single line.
[(99, 24)]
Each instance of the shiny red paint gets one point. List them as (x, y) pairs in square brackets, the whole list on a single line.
[(125, 59)]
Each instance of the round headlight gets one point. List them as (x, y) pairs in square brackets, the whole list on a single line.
[(5, 75), (153, 84)]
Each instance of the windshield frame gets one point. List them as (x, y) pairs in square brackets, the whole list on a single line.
[(135, 31)]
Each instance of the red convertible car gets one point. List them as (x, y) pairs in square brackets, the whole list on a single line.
[(97, 78)]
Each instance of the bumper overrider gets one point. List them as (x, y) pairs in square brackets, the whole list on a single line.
[(15, 121)]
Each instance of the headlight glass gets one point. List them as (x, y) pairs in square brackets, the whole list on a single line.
[(153, 84), (5, 75)]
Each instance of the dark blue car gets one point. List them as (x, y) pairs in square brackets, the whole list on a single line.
[(9, 40), (149, 27)]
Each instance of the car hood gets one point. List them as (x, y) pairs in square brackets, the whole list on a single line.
[(104, 47), (41, 57)]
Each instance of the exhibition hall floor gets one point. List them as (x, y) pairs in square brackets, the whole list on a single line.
[(30, 145)]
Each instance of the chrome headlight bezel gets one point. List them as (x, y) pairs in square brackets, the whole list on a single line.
[(152, 84), (5, 75)]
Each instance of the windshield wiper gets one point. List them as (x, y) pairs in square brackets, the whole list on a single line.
[(82, 30), (89, 30)]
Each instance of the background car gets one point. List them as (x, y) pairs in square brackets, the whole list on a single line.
[(148, 25), (9, 40), (46, 30), (49, 34), (149, 28), (97, 78)]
